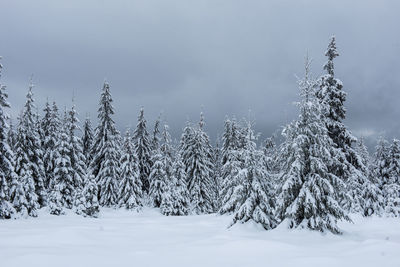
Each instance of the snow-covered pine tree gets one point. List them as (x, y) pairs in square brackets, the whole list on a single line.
[(217, 174), (167, 152), (308, 197), (130, 189), (78, 160), (332, 98), (158, 180), (269, 150), (87, 140), (372, 199), (175, 201), (251, 198), (142, 146), (50, 128), (105, 151), (86, 201), (23, 193), (7, 164), (31, 144), (195, 151), (381, 162), (391, 189), (62, 187)]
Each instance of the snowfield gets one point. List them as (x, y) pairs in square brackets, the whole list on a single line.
[(123, 238)]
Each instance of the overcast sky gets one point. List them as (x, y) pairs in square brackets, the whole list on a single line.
[(223, 57)]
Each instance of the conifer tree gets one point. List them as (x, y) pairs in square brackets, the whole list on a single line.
[(62, 187), (12, 135), (250, 198), (142, 147), (332, 97), (158, 180), (175, 200), (87, 140), (381, 162), (29, 141), (155, 141), (78, 160), (308, 197), (195, 149), (86, 202), (7, 164), (105, 151), (50, 128), (391, 189), (130, 189), (23, 193)]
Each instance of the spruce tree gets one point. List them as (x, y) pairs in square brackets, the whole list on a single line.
[(308, 196), (347, 165), (155, 141), (86, 202), (158, 180), (195, 149), (7, 164), (105, 151), (12, 135), (175, 200), (251, 197), (87, 140), (50, 128), (142, 146), (62, 187), (78, 160), (31, 144), (391, 189), (130, 189)]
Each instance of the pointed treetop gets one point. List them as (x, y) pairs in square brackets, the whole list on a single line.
[(331, 53), (201, 122)]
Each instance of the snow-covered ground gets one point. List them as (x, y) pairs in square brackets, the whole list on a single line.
[(122, 238)]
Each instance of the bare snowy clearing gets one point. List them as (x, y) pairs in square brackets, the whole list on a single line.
[(122, 238)]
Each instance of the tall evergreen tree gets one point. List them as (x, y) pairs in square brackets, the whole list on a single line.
[(195, 149), (155, 140), (158, 180), (250, 199), (12, 135), (78, 160), (175, 200), (29, 141), (62, 187), (105, 151), (332, 97), (50, 128), (391, 189), (130, 189), (308, 197), (87, 140), (142, 147), (7, 164), (381, 162)]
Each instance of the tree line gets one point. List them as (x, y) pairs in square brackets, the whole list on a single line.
[(319, 174)]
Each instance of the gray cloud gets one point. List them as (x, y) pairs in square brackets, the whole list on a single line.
[(227, 57)]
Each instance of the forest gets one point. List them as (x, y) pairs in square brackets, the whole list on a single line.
[(318, 175)]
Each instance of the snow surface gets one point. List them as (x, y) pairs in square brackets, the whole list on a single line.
[(123, 238)]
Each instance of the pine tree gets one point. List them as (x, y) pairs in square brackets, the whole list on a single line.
[(12, 135), (371, 195), (142, 147), (7, 164), (130, 189), (332, 98), (105, 151), (87, 140), (86, 202), (78, 160), (250, 198), (195, 149), (308, 197), (155, 141), (391, 189), (158, 181), (381, 162), (31, 144), (175, 200), (62, 187), (50, 128)]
